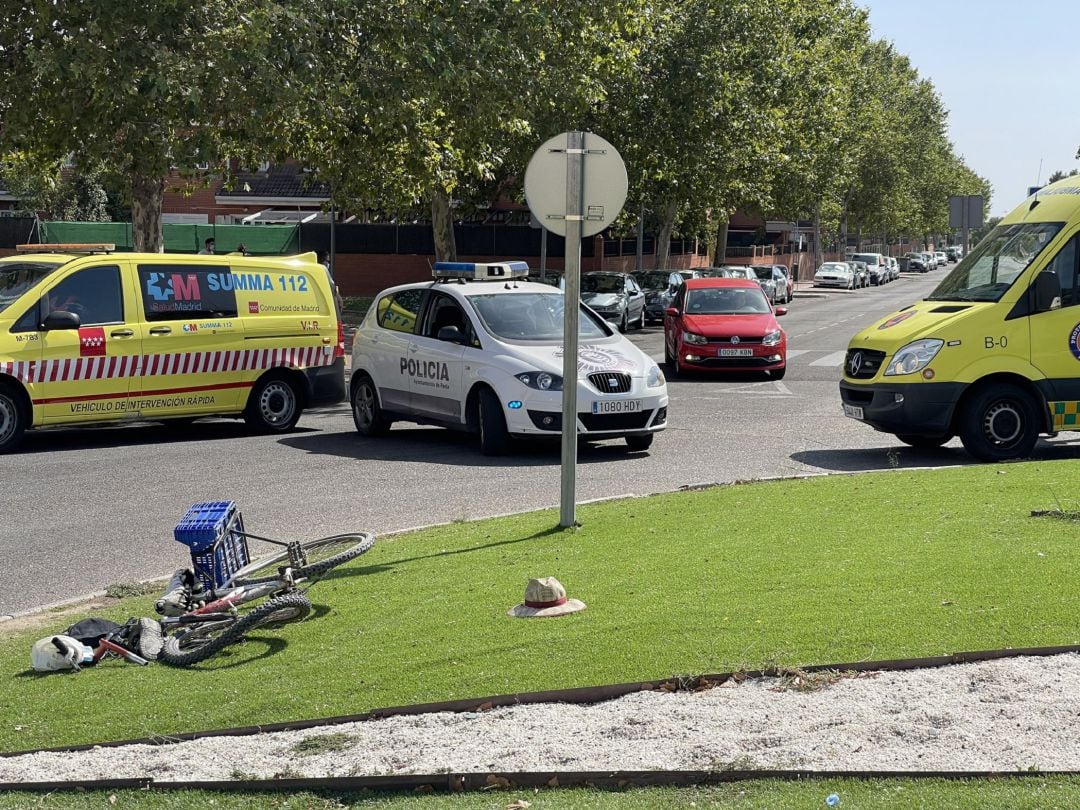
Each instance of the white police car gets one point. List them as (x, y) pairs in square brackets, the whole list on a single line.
[(480, 349)]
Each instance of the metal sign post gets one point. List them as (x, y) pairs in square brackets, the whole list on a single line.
[(575, 157), (575, 185)]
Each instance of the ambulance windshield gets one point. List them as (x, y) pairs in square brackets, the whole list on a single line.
[(19, 276), (531, 316), (996, 262)]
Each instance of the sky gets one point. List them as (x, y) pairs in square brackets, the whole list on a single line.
[(1009, 74)]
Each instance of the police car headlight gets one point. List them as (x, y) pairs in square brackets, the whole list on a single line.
[(656, 377), (541, 380), (914, 357), (771, 339), (697, 340)]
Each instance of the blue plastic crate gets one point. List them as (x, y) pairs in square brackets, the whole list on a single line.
[(214, 533)]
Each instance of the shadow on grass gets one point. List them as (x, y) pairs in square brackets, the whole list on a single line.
[(240, 654), (902, 456), (344, 573)]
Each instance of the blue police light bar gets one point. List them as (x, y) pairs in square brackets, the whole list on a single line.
[(470, 271)]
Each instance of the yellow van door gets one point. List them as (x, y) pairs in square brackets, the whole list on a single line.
[(192, 341), (1055, 340), (85, 373)]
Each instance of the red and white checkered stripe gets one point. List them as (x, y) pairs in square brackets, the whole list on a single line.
[(162, 365)]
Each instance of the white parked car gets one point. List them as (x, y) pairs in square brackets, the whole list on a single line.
[(479, 350), (835, 274)]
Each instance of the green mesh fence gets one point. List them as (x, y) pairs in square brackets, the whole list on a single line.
[(259, 240)]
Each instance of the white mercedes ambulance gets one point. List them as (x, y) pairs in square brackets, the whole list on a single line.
[(480, 349)]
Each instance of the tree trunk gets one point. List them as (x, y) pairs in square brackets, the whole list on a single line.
[(442, 225), (663, 238), (819, 249), (720, 254), (844, 225), (147, 194)]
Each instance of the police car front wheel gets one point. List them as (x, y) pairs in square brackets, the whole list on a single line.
[(494, 438), (12, 419), (274, 406)]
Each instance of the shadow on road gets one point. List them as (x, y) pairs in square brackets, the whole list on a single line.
[(55, 440), (438, 446), (902, 456)]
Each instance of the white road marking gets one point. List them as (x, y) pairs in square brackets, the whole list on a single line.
[(796, 352), (834, 359), (783, 389)]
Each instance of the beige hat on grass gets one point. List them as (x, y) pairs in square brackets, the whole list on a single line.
[(543, 598)]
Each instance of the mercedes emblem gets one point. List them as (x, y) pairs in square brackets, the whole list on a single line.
[(855, 363)]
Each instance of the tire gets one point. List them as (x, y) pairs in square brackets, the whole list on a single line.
[(13, 418), (639, 443), (624, 324), (494, 440), (274, 406), (367, 413), (778, 373), (999, 423), (321, 555), (205, 640), (924, 442)]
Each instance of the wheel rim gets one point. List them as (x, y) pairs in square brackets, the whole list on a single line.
[(277, 403), (364, 405), (1003, 423), (9, 418)]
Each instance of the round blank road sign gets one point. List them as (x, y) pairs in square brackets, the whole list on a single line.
[(604, 184)]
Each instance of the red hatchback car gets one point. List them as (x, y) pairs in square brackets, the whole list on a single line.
[(724, 324)]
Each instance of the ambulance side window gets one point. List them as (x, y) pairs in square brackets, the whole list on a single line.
[(398, 312), (93, 294), (1064, 265)]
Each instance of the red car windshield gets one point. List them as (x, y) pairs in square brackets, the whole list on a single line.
[(726, 301)]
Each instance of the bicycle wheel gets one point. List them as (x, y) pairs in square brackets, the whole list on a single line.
[(210, 638), (321, 556)]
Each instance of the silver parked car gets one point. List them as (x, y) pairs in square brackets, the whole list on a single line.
[(835, 274), (615, 297)]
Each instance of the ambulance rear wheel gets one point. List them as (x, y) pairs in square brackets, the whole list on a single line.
[(367, 414), (494, 438), (274, 406), (13, 418), (999, 423)]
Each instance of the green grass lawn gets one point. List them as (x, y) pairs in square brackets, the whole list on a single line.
[(1030, 793), (796, 572)]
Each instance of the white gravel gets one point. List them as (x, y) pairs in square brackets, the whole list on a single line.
[(1002, 716)]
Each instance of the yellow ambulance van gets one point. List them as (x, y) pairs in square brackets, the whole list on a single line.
[(993, 354), (89, 335)]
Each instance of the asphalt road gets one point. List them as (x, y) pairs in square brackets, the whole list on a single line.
[(85, 508)]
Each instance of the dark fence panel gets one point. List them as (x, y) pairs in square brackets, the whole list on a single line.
[(471, 240), (17, 231)]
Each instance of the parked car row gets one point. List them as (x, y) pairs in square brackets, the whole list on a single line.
[(859, 270), (925, 261)]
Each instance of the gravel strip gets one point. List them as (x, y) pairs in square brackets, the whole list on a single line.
[(1004, 715)]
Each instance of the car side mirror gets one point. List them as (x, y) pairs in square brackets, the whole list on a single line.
[(61, 319), (1047, 291), (451, 334), (672, 311), (780, 311)]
